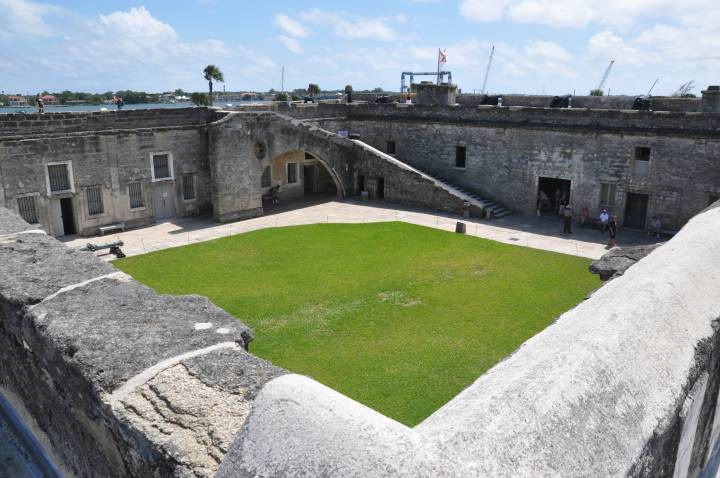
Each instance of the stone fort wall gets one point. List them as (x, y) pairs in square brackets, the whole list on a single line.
[(108, 151), (509, 149)]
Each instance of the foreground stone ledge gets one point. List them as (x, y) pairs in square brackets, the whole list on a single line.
[(116, 379)]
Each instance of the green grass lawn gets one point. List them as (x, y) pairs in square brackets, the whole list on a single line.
[(397, 316)]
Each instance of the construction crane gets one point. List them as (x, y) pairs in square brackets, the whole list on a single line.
[(684, 89), (487, 71), (653, 86), (605, 76)]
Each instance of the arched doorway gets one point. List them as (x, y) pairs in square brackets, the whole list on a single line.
[(296, 174), (317, 179)]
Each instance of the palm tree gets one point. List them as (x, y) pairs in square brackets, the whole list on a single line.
[(313, 89), (212, 72)]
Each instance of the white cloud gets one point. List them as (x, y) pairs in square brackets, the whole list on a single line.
[(483, 10), (354, 26), (291, 44), (23, 17), (290, 26), (580, 13), (134, 50)]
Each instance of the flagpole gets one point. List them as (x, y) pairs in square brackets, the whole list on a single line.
[(438, 69)]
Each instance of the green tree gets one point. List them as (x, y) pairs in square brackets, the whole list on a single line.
[(281, 97), (212, 72), (199, 99), (596, 92), (378, 90), (313, 89), (179, 92)]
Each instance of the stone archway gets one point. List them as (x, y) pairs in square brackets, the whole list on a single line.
[(299, 173)]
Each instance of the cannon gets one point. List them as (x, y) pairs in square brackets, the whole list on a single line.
[(113, 246)]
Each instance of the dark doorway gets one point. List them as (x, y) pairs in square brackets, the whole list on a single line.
[(551, 191), (380, 192), (712, 198), (360, 184), (636, 211), (68, 218), (309, 179)]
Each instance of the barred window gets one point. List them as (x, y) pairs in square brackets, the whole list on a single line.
[(27, 209), (59, 178), (136, 196), (161, 166), (188, 187), (94, 200), (292, 173), (266, 179), (607, 194)]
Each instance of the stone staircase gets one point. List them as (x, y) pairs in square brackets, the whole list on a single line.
[(496, 209), (490, 208)]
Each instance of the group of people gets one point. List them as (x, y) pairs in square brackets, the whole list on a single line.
[(608, 224), (118, 100)]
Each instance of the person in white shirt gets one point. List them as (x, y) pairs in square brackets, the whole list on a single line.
[(604, 218)]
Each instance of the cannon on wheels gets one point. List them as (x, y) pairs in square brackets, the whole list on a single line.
[(113, 246)]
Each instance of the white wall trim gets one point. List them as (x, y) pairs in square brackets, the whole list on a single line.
[(170, 166), (71, 178)]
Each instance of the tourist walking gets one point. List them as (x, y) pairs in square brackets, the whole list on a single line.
[(40, 104), (655, 227), (612, 232), (604, 218), (567, 219)]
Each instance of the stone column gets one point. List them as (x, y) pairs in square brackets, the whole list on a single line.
[(711, 100)]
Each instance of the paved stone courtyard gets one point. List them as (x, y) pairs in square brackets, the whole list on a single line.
[(530, 231)]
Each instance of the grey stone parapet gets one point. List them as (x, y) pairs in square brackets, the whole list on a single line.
[(24, 124), (115, 379)]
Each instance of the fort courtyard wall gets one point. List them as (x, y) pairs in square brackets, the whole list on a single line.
[(107, 163), (612, 159), (508, 149)]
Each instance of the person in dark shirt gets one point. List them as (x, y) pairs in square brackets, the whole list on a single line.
[(612, 232), (40, 104)]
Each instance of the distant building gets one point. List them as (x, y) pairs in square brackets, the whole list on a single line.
[(49, 100), (17, 101)]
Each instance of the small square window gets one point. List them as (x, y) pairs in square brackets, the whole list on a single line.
[(390, 147), (292, 173), (266, 179), (94, 200), (641, 165), (136, 195), (59, 177), (460, 156), (161, 164), (607, 195), (28, 209), (188, 187)]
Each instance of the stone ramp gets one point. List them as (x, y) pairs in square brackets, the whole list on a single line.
[(490, 209)]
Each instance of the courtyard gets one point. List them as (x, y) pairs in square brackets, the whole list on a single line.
[(398, 316)]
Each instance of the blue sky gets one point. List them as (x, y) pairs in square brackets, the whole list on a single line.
[(555, 47)]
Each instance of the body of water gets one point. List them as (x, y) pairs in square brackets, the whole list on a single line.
[(140, 106)]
